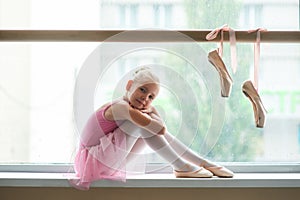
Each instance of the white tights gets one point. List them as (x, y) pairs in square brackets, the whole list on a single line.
[(167, 146)]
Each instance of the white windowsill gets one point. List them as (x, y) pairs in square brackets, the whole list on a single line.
[(240, 180)]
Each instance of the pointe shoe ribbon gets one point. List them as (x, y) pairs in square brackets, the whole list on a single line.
[(259, 110), (232, 40), (256, 53)]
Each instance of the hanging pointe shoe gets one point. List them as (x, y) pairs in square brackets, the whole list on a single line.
[(200, 173), (225, 79), (258, 108)]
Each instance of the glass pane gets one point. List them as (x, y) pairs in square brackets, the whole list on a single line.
[(134, 14), (37, 97), (279, 90), (36, 100)]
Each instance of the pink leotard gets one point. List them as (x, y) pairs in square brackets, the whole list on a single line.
[(101, 153), (96, 127)]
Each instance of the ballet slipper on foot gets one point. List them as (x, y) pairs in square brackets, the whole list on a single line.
[(201, 173), (221, 171)]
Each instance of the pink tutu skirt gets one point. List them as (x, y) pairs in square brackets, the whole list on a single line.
[(106, 160)]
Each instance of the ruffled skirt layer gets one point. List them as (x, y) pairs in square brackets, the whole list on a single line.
[(106, 160)]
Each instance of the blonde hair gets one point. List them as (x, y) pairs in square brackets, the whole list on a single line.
[(145, 75)]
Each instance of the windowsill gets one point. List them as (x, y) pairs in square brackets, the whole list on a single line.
[(240, 180)]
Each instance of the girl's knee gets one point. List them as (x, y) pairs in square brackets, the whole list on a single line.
[(133, 130), (146, 134), (130, 129)]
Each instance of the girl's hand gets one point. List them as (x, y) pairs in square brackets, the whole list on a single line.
[(147, 110), (146, 119), (153, 115)]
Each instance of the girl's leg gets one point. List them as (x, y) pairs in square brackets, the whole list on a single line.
[(186, 152), (134, 144), (136, 149), (161, 146), (193, 157), (158, 144)]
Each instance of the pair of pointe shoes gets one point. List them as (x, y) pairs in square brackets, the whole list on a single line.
[(247, 88), (207, 172)]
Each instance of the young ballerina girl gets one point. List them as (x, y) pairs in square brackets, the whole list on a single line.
[(122, 128)]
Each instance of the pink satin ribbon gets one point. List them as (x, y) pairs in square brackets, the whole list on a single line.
[(232, 40), (256, 55)]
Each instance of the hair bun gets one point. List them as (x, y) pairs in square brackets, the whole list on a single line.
[(144, 74), (141, 69)]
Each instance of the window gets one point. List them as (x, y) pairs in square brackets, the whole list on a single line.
[(37, 78), (128, 15), (251, 15), (162, 15)]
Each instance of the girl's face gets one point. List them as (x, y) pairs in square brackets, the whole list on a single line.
[(142, 96)]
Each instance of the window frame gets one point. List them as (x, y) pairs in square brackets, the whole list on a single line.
[(140, 35), (237, 167), (147, 36)]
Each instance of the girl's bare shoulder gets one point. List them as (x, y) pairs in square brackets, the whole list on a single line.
[(120, 104), (118, 110)]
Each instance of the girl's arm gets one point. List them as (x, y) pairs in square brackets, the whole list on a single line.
[(123, 111), (153, 114)]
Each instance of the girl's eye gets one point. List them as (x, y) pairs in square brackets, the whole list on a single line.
[(151, 97), (143, 90)]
